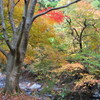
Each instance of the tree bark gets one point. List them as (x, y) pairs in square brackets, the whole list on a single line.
[(13, 74), (80, 45), (14, 64)]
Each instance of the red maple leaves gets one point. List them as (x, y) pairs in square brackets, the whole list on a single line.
[(56, 15)]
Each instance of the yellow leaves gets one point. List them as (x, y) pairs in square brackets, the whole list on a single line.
[(85, 82), (54, 55), (29, 55), (97, 14), (69, 67), (30, 51), (95, 41), (86, 78), (86, 9), (63, 2), (28, 59), (18, 11), (48, 55), (41, 31), (83, 4), (73, 55)]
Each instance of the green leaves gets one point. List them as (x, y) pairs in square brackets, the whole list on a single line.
[(1, 36), (46, 3), (91, 60), (96, 4)]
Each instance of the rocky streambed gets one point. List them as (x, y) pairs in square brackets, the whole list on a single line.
[(30, 87), (26, 85)]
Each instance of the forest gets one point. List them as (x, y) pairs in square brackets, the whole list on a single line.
[(49, 49)]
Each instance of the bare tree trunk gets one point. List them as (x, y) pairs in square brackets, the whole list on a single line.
[(13, 74), (14, 64)]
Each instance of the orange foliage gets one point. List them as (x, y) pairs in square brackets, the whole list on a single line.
[(2, 58), (87, 81), (69, 67), (28, 59)]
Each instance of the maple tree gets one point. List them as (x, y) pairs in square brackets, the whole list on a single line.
[(20, 35)]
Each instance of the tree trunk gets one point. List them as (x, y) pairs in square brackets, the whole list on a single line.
[(14, 64), (80, 45), (13, 74)]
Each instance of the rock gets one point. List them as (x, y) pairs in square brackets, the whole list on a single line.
[(2, 85), (96, 94), (2, 80), (28, 92), (34, 86), (23, 85)]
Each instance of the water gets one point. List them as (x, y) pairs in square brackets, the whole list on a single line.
[(26, 85), (29, 88), (2, 80), (96, 95)]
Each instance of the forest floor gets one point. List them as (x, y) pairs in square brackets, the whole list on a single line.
[(17, 97), (79, 84), (21, 96)]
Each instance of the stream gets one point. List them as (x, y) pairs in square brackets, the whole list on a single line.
[(29, 87), (26, 85)]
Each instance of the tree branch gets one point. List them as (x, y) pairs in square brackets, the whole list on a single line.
[(26, 3), (4, 26), (30, 12), (84, 27), (31, 8), (17, 2), (76, 32), (21, 33), (21, 26), (34, 17), (10, 13)]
